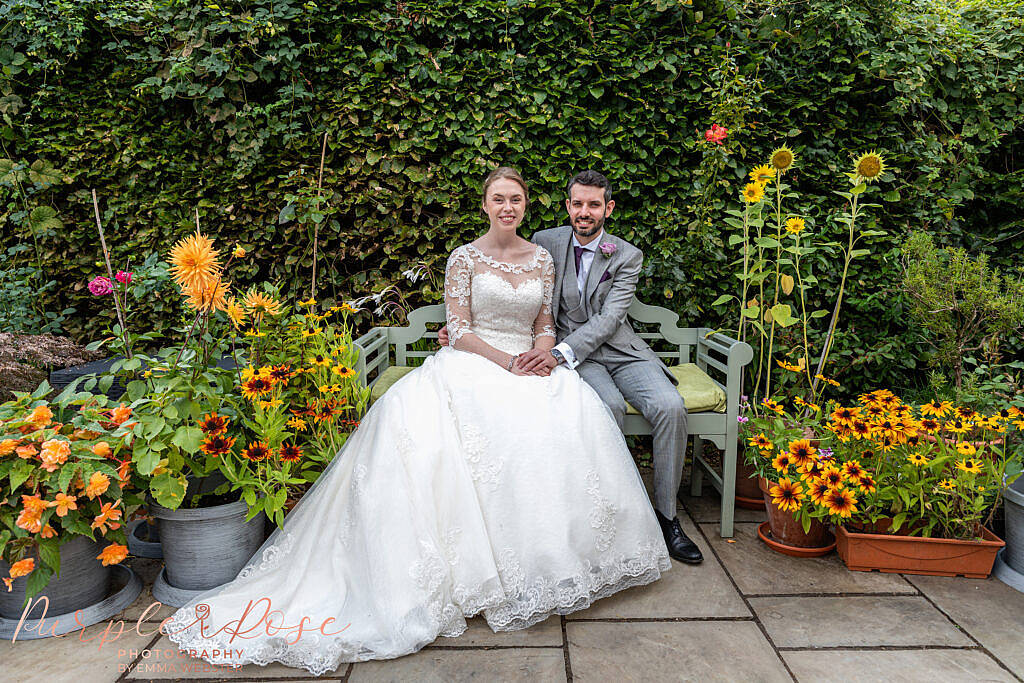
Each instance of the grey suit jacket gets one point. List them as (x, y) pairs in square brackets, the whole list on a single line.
[(602, 333)]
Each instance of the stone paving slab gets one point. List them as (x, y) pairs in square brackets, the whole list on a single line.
[(894, 666), (671, 651), (702, 590), (440, 665), (707, 508), (988, 609), (479, 634), (759, 570), (862, 621), (68, 658)]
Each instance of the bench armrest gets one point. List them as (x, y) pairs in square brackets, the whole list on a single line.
[(737, 355), (374, 354)]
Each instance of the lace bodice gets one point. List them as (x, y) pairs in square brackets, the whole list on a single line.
[(507, 305)]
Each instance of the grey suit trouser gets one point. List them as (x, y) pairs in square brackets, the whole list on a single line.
[(644, 385)]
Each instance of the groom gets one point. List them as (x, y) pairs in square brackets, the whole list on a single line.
[(595, 278)]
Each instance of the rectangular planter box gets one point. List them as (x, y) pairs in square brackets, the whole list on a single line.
[(916, 555)]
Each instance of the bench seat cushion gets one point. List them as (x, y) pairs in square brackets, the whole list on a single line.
[(699, 391)]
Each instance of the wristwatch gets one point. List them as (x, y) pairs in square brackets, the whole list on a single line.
[(559, 358)]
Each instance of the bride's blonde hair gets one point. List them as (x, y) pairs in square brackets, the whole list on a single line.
[(508, 173)]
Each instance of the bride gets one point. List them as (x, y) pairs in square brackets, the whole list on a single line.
[(470, 487)]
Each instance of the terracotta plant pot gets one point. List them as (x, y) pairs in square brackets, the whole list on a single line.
[(916, 555), (787, 529), (748, 493)]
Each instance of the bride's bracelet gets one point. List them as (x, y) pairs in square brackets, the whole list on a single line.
[(511, 362)]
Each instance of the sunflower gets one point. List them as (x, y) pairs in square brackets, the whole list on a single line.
[(194, 262), (948, 484), (763, 174), (794, 226), (964, 448), (969, 465), (782, 158), (762, 442), (213, 424), (936, 408), (753, 193), (917, 459), (210, 296), (787, 495), (256, 387), (289, 453), (852, 470), (869, 166), (817, 489), (235, 311), (841, 502), (782, 462), (260, 304), (801, 452), (217, 445), (256, 451), (833, 477)]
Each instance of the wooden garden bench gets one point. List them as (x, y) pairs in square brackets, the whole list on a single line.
[(710, 386)]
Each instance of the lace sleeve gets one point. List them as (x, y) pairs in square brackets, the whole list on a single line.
[(458, 279), (544, 325)]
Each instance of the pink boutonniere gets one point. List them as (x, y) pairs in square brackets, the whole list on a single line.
[(607, 248)]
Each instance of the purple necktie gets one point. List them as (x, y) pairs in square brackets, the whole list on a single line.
[(579, 258)]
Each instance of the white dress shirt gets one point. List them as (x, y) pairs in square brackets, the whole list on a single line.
[(586, 261)]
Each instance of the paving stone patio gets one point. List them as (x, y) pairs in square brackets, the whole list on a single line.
[(746, 614)]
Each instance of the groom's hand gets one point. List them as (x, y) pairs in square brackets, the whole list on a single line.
[(442, 336), (537, 362)]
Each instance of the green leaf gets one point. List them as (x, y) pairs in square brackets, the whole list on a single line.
[(43, 173), (859, 189), (722, 299), (168, 489), (188, 439), (49, 552)]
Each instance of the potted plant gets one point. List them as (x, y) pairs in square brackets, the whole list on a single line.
[(775, 290), (66, 489)]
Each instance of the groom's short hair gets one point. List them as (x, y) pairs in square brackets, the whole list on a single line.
[(591, 178)]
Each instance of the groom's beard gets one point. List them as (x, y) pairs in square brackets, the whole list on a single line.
[(588, 230)]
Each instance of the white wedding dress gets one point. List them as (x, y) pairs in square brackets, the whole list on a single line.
[(466, 489)]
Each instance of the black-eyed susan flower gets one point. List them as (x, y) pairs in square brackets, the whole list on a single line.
[(866, 483), (845, 416), (254, 332), (948, 484), (281, 373), (217, 445), (213, 424), (840, 502), (860, 429), (833, 477), (762, 442), (957, 426), (826, 380), (308, 302), (289, 453), (343, 371), (817, 489), (257, 387), (320, 360), (787, 495), (917, 459), (965, 413), (772, 405), (969, 465), (965, 448), (929, 425), (852, 470), (782, 461), (801, 452), (256, 451), (811, 471), (936, 408)]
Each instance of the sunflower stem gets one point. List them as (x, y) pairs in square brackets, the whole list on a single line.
[(316, 225), (110, 274)]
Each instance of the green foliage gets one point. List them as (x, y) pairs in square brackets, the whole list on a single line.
[(165, 105), (963, 304)]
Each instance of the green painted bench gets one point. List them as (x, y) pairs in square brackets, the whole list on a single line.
[(710, 384)]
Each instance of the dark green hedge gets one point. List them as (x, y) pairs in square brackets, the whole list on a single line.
[(163, 106)]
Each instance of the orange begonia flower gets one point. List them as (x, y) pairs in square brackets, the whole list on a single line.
[(22, 567), (113, 554), (63, 503), (102, 449), (98, 484), (40, 417), (108, 514), (7, 446)]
